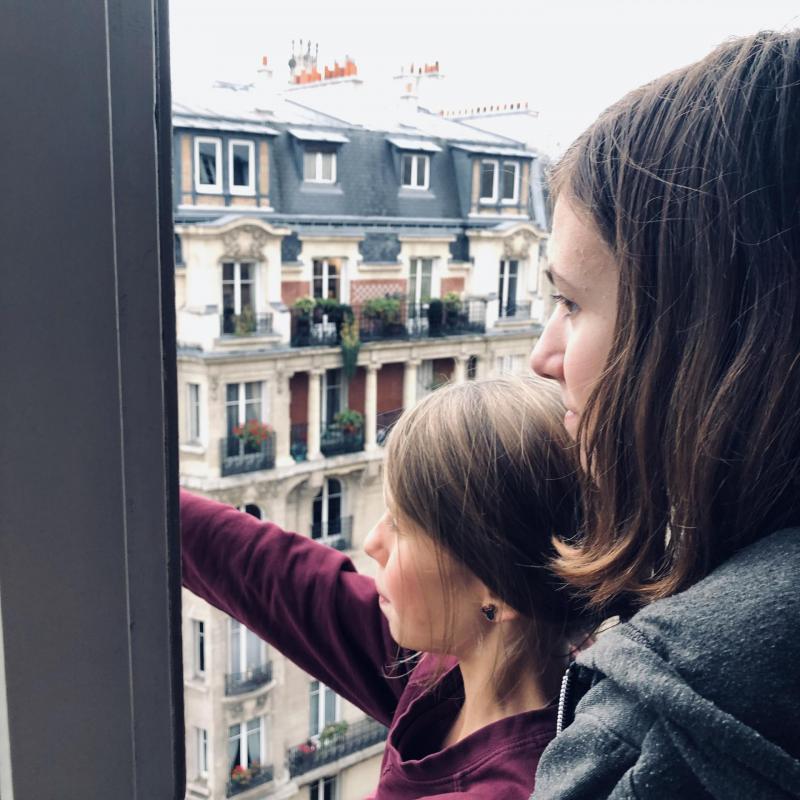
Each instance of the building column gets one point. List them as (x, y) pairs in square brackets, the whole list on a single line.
[(314, 407), (371, 407), (460, 373), (410, 383), (281, 416)]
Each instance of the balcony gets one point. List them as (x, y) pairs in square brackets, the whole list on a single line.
[(238, 456), (336, 533), (298, 441), (245, 324), (336, 439), (251, 679), (514, 310), (255, 775), (354, 737), (388, 319)]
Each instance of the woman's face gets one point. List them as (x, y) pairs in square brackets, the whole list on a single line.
[(575, 343), (416, 581)]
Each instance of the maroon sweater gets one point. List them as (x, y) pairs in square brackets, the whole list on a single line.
[(308, 601)]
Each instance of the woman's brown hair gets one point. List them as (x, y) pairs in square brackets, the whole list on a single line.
[(486, 470), (692, 450)]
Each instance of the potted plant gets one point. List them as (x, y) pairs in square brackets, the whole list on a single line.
[(252, 433), (452, 309), (349, 421), (303, 307), (332, 731), (245, 323), (240, 775)]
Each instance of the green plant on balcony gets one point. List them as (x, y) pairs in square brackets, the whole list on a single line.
[(435, 316), (304, 305), (350, 344), (332, 731), (245, 322), (253, 433), (452, 308), (349, 421), (386, 309)]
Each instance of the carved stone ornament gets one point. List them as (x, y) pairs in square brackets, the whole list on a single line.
[(246, 241), (213, 389), (518, 245)]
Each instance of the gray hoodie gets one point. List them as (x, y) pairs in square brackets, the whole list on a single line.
[(698, 696)]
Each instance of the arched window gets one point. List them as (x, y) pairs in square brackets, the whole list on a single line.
[(327, 512)]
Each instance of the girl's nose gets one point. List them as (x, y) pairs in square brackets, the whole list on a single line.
[(547, 356), (374, 546)]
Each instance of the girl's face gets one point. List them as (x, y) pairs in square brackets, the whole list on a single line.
[(575, 343), (417, 581)]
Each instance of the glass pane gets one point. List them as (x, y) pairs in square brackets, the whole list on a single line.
[(333, 269), (317, 287), (252, 391), (253, 650), (313, 715), (227, 271), (487, 179), (318, 268), (512, 288), (314, 792), (207, 152), (412, 281), (327, 166), (334, 514), (228, 301), (509, 181), (333, 287), (309, 166), (233, 747), (316, 522), (245, 272), (253, 742), (241, 165), (330, 706), (247, 296), (236, 647), (329, 790), (427, 272), (232, 392), (408, 162), (334, 486), (500, 286)]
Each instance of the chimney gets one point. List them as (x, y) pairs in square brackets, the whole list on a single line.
[(264, 87)]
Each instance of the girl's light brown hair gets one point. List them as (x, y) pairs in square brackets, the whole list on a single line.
[(486, 470), (694, 442)]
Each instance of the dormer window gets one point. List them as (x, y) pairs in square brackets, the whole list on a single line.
[(499, 181), (319, 166), (509, 188), (415, 171), (207, 165), (241, 162), (488, 181)]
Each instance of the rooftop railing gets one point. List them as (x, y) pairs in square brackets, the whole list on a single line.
[(247, 681)]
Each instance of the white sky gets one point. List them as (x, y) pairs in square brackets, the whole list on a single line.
[(568, 58)]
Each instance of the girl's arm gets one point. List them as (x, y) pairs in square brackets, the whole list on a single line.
[(304, 598)]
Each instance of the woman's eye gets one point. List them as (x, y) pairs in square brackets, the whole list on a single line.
[(569, 306)]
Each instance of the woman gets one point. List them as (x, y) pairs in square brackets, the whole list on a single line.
[(676, 342)]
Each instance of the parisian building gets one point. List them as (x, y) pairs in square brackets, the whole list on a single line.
[(341, 251)]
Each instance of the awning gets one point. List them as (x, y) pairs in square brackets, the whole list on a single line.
[(318, 136), (418, 145), (493, 150)]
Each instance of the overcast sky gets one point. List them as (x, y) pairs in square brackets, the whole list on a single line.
[(568, 58)]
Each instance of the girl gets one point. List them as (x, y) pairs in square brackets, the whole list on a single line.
[(676, 264), (477, 482)]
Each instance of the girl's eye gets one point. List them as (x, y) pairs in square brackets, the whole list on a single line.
[(570, 306)]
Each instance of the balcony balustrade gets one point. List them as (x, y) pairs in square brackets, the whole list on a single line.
[(254, 775), (337, 533), (357, 736), (249, 680), (298, 441), (399, 320), (336, 439), (245, 324), (238, 455), (515, 310)]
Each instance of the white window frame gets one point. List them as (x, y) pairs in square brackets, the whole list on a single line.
[(243, 750), (326, 276), (319, 785), (250, 189), (343, 395), (317, 178), (505, 274), (194, 419), (206, 188), (417, 159), (199, 649), (241, 402), (201, 742), (324, 500), (496, 164), (514, 200), (321, 691), (244, 632), (416, 298), (237, 285), (510, 364)]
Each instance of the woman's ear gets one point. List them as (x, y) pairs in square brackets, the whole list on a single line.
[(494, 609)]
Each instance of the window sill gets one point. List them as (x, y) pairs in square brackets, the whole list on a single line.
[(190, 447), (207, 190), (411, 193), (312, 187)]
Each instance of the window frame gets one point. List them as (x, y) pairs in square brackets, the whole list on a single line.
[(415, 162), (237, 285), (318, 171), (492, 200), (250, 189), (324, 498), (201, 744), (244, 733), (244, 632), (205, 188), (194, 418), (504, 281), (321, 692), (514, 199), (199, 650), (241, 402), (343, 395), (326, 278), (318, 786)]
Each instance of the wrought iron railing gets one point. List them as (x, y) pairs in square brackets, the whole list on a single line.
[(238, 455), (514, 310), (338, 533), (298, 441), (358, 736), (336, 439), (253, 776), (247, 681), (246, 324)]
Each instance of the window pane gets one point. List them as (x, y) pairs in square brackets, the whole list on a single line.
[(310, 165), (234, 756), (330, 706), (422, 164), (236, 647), (487, 179), (313, 715), (253, 650), (316, 521), (329, 790), (408, 162), (254, 741), (509, 180), (232, 392), (500, 293), (317, 287), (227, 271), (314, 792), (512, 287), (207, 153), (327, 166), (241, 165), (252, 391), (427, 273), (318, 269), (334, 514)]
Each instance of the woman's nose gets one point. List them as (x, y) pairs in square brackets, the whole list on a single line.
[(547, 356), (373, 544)]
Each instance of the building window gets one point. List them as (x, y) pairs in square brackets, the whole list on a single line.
[(243, 402), (246, 651), (488, 187), (327, 511), (324, 789), (241, 163), (207, 165), (509, 365), (334, 395), (510, 184), (416, 171), (238, 292), (507, 288), (246, 744), (199, 648), (201, 739), (327, 278), (252, 509), (193, 407), (323, 707), (319, 166), (420, 280), (425, 378), (472, 368)]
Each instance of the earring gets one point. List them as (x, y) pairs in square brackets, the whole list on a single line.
[(489, 611)]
